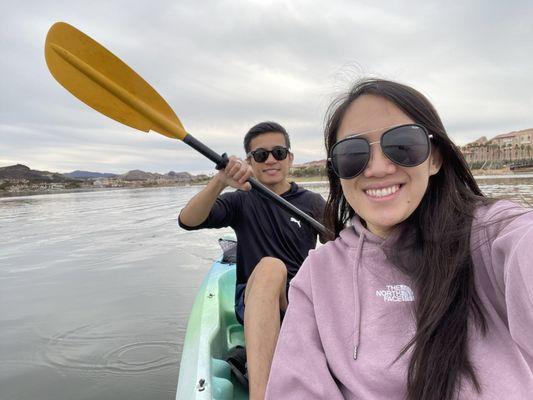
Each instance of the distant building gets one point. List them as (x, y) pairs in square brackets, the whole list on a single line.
[(505, 148)]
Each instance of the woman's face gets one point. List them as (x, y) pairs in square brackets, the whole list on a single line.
[(385, 194)]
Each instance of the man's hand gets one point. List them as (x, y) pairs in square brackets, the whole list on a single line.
[(235, 174)]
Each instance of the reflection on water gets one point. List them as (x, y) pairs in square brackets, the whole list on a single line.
[(96, 287)]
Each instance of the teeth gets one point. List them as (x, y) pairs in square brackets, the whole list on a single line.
[(383, 191)]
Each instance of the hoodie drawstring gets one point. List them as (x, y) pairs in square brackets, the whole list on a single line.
[(357, 296)]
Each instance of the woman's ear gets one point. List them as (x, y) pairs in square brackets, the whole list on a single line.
[(435, 162)]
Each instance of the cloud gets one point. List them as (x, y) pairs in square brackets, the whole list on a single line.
[(226, 65)]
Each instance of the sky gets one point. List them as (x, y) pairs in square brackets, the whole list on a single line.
[(223, 66)]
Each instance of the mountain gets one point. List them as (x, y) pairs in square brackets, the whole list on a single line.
[(138, 175), (319, 163), (88, 175), (180, 176), (22, 172), (19, 172)]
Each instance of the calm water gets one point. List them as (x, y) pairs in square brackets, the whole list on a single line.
[(95, 290)]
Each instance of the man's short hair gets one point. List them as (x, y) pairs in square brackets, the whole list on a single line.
[(265, 127)]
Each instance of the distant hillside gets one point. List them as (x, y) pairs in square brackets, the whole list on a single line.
[(88, 175), (309, 169), (22, 172), (311, 164), (22, 179), (138, 175), (182, 176), (19, 171)]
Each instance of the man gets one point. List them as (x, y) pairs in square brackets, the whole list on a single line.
[(271, 244)]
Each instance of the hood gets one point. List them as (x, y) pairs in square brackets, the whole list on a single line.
[(294, 191), (351, 235)]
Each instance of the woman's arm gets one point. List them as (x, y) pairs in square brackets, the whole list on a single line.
[(300, 369), (512, 253)]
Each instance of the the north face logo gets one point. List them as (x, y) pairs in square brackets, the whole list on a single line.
[(396, 293)]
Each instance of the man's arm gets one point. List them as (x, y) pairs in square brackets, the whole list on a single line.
[(198, 208)]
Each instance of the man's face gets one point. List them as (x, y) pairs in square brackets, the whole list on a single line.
[(271, 172)]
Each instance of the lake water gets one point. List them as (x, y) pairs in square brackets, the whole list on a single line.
[(96, 287)]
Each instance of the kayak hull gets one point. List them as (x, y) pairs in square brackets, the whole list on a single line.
[(212, 331)]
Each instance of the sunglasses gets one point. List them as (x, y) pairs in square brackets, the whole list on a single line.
[(405, 145), (260, 155)]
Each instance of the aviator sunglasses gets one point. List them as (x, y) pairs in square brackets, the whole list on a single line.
[(260, 155), (405, 145)]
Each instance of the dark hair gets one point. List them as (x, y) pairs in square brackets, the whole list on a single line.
[(265, 127), (435, 248)]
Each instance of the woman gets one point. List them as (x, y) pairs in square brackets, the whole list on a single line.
[(427, 290)]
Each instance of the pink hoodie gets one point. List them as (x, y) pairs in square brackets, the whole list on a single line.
[(351, 313)]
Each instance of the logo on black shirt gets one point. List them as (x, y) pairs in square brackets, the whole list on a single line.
[(296, 221)]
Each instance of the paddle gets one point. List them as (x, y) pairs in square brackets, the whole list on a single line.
[(102, 81)]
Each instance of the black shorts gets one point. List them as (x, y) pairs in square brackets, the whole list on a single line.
[(240, 289)]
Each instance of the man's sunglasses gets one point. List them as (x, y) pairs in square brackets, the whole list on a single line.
[(405, 145), (260, 155)]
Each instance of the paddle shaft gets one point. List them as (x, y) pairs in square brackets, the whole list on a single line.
[(221, 162)]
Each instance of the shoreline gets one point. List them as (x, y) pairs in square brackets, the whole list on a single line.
[(307, 180), (12, 195)]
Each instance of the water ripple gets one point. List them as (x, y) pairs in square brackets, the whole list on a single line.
[(92, 348)]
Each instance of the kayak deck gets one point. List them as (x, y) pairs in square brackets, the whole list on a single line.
[(212, 331)]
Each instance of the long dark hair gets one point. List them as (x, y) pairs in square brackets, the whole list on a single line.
[(434, 250)]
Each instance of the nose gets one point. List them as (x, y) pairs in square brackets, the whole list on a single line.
[(378, 165), (270, 159)]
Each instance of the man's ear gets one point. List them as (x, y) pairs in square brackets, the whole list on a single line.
[(291, 159), (435, 162)]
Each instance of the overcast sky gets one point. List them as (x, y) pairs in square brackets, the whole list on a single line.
[(226, 65)]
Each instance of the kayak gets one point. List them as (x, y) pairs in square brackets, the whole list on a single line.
[(212, 332)]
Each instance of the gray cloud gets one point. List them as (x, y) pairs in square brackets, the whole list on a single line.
[(225, 65)]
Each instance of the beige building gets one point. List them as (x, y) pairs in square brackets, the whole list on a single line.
[(507, 148)]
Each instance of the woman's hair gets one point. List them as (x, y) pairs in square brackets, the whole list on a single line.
[(434, 250)]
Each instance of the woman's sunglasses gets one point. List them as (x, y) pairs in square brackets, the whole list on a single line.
[(260, 155), (405, 145)]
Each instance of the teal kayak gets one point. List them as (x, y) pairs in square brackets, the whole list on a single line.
[(212, 331)]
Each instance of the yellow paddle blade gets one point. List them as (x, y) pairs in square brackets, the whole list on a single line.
[(102, 81)]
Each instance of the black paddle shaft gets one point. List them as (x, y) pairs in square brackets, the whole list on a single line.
[(222, 160)]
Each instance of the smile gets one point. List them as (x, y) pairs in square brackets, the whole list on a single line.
[(386, 191)]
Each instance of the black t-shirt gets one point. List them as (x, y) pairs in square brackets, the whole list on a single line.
[(264, 229)]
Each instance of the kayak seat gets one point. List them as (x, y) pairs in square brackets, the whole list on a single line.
[(235, 335), (229, 378)]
